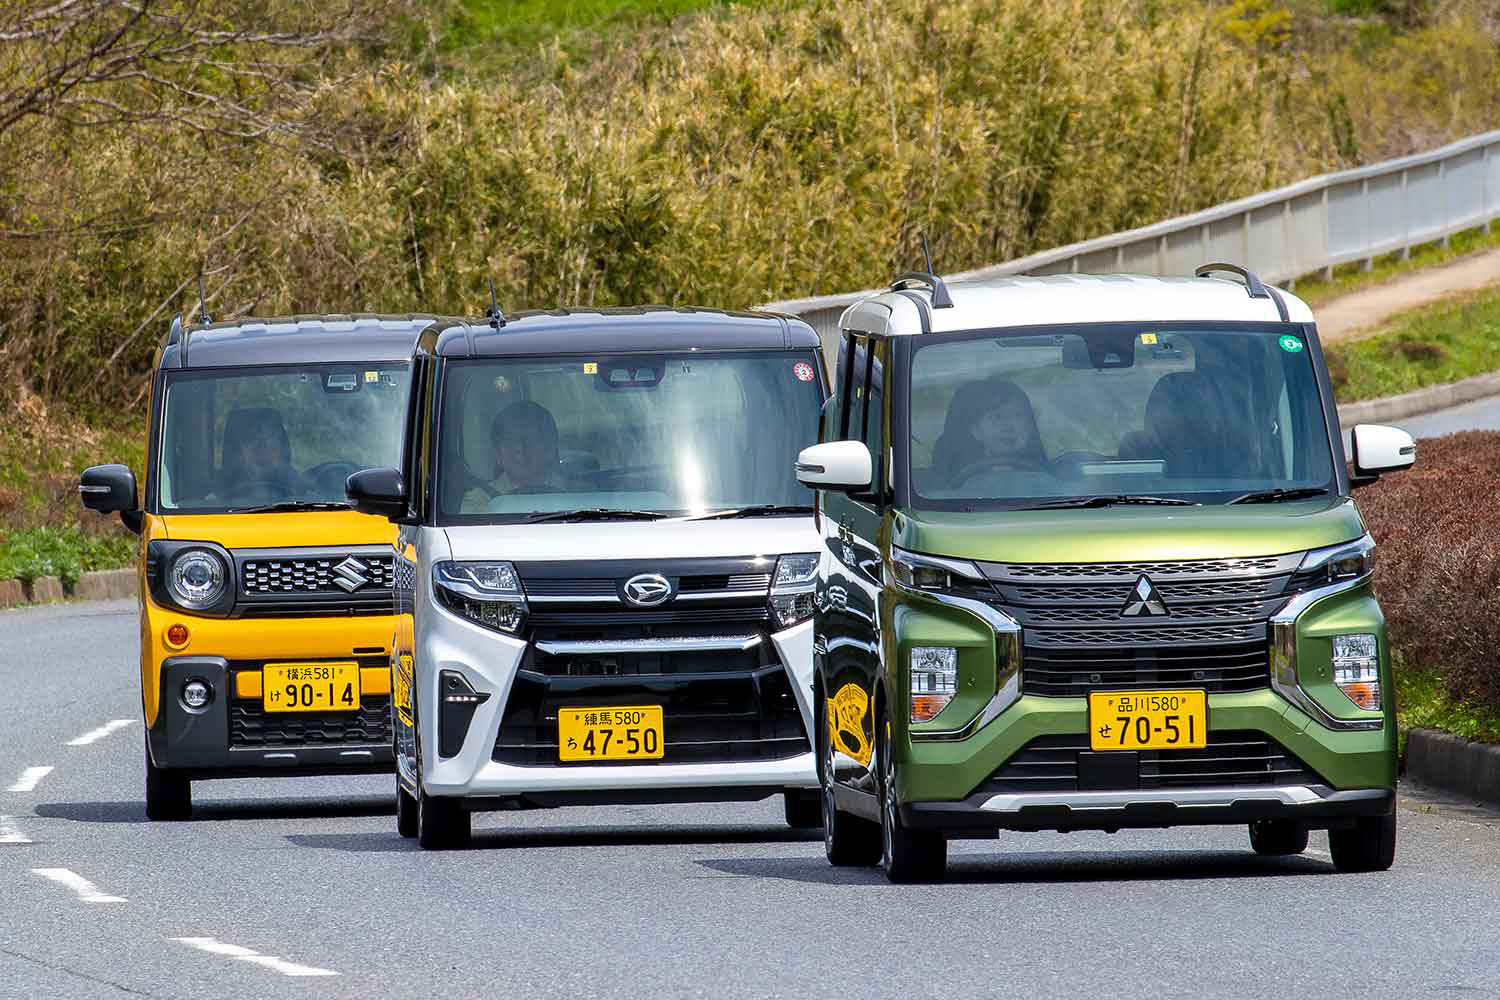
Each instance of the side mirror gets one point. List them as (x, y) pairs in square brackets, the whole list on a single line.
[(1378, 449), (377, 491), (110, 489), (844, 466)]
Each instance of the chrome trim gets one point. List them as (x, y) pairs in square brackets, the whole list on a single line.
[(752, 596), (1007, 675), (574, 599), (1284, 658), (685, 643), (87, 490), (1187, 798)]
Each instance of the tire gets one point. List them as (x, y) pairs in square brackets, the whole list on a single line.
[(442, 823), (169, 796), (906, 855), (849, 841), (406, 811), (803, 808), (1274, 838), (1370, 846)]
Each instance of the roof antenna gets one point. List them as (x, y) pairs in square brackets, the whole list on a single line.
[(493, 313), (927, 254), (202, 300)]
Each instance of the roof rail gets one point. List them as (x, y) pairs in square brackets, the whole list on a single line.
[(174, 332), (1253, 284), (940, 298)]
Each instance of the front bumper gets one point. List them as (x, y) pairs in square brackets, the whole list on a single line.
[(1316, 806), (201, 743)]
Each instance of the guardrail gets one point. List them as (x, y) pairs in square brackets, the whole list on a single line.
[(1313, 225)]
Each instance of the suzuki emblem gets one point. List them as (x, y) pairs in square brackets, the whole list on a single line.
[(350, 574), (647, 589)]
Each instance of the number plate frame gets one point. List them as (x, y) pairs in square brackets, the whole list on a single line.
[(276, 676), (1105, 710), (573, 724)]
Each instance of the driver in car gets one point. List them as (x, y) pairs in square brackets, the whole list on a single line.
[(526, 455), (990, 428), (258, 457)]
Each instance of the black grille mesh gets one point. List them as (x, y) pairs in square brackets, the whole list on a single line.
[(311, 575), (250, 725)]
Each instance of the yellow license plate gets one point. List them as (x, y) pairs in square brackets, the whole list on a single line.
[(625, 733), (310, 687), (1148, 720)]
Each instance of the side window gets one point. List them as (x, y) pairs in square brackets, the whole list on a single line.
[(416, 425), (849, 374), (872, 426)]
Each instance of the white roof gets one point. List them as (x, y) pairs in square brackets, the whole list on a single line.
[(1074, 298)]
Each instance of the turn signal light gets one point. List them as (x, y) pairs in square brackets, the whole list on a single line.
[(1366, 696), (934, 680), (177, 635), (1356, 669)]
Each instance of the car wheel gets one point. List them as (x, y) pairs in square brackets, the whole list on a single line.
[(1277, 837), (804, 808), (906, 855), (849, 841), (442, 822), (1370, 846), (406, 811), (169, 795)]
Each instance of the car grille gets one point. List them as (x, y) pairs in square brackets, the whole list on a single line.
[(252, 726), (608, 588), (1077, 638), (313, 575), (310, 583), (1232, 758)]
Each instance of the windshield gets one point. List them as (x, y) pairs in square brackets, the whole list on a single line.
[(671, 434), (243, 439), (1115, 413)]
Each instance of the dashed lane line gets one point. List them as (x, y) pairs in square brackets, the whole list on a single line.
[(86, 890), (10, 833), (29, 778), (94, 735), (242, 954)]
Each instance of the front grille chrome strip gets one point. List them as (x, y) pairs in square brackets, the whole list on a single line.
[(1186, 798), (669, 644)]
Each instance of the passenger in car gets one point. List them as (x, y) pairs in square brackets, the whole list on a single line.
[(526, 456), (990, 427), (1183, 426), (257, 463)]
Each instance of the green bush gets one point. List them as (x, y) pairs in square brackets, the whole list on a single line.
[(63, 553)]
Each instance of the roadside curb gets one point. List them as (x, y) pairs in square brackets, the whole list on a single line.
[(1409, 404), (1442, 760), (95, 585)]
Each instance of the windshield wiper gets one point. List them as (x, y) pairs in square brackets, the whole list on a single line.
[(755, 510), (285, 505), (597, 514), (1280, 495), (1112, 501)]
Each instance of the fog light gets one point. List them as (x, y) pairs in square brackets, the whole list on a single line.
[(934, 679), (177, 635), (196, 694), (1356, 669)]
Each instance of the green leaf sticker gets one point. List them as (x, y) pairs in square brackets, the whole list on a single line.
[(1290, 344)]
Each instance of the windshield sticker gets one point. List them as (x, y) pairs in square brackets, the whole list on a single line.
[(372, 376), (341, 382), (1148, 339), (591, 368), (1290, 344), (803, 371)]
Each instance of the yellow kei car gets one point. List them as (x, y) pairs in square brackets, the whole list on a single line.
[(266, 603)]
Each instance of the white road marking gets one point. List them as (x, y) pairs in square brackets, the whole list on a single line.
[(28, 779), (1320, 854), (242, 954), (87, 891), (94, 735), (10, 833)]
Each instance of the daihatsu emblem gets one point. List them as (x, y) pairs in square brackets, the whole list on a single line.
[(350, 574), (1144, 601), (647, 589)]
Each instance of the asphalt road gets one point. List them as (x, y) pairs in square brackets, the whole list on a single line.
[(301, 887)]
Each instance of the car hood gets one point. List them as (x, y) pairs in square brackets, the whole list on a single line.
[(287, 529), (1130, 534), (755, 536)]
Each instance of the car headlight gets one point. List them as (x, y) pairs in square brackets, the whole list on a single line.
[(934, 680), (914, 572), (1356, 669), (486, 593), (792, 588), (1349, 561), (197, 579)]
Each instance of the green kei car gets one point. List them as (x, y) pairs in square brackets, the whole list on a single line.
[(1091, 562)]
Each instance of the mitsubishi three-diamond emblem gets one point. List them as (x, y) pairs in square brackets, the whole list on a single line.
[(350, 574), (1143, 601)]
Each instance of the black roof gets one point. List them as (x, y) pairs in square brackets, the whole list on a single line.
[(593, 331), (285, 340)]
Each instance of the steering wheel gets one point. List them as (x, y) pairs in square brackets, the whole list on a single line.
[(259, 491), (975, 469), (330, 476)]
